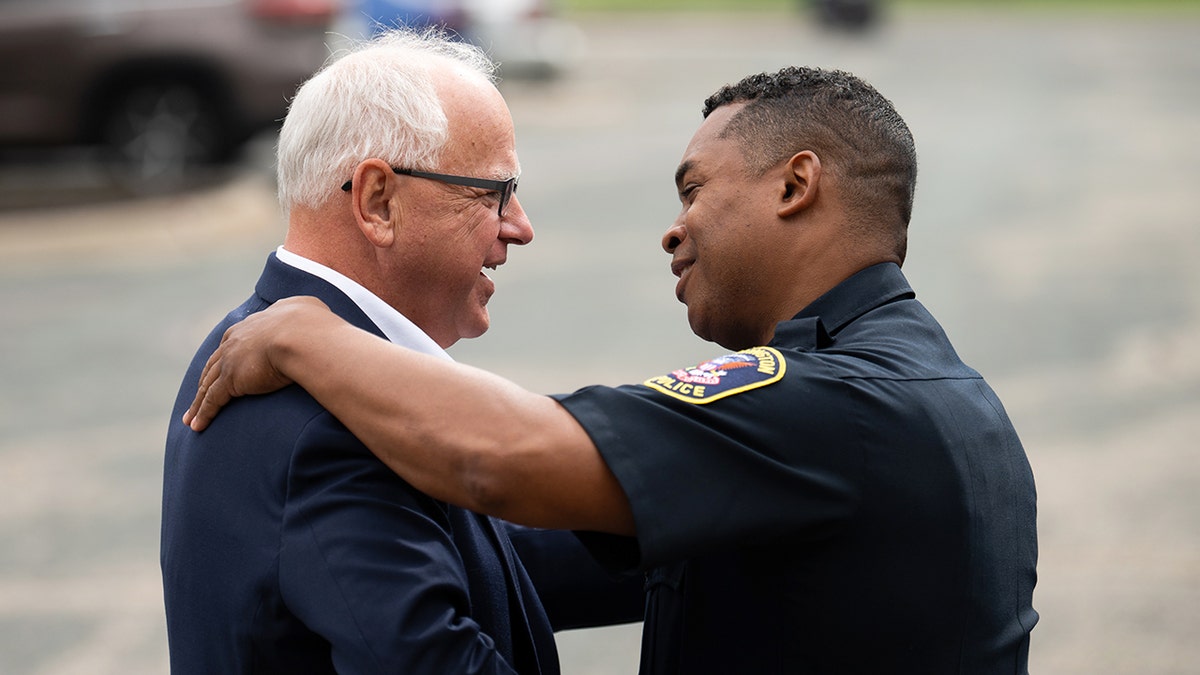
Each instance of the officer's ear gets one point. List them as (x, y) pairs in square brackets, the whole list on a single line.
[(372, 199), (801, 180)]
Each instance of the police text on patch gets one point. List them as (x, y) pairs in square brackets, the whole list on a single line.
[(723, 376)]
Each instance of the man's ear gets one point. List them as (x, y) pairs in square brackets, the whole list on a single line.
[(801, 180), (372, 196)]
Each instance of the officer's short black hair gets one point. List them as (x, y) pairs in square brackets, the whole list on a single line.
[(852, 128)]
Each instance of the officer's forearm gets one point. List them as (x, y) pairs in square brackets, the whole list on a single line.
[(457, 433)]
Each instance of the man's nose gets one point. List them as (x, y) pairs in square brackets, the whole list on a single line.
[(515, 227), (674, 236)]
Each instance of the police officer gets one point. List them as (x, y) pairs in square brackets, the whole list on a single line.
[(838, 494)]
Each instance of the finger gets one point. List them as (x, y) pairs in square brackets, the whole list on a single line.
[(189, 417), (214, 398), (214, 390), (208, 398), (201, 389)]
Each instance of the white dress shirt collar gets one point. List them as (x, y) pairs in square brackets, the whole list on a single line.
[(394, 325)]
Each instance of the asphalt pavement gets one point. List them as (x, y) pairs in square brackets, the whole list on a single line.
[(1055, 235)]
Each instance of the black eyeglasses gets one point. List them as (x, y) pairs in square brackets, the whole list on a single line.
[(505, 188)]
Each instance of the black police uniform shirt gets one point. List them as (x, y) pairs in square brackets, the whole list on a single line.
[(850, 498)]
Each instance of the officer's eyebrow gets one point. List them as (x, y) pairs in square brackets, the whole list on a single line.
[(684, 168)]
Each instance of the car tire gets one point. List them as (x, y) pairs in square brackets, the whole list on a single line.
[(159, 136)]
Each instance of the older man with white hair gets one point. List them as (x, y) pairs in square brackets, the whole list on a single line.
[(286, 545)]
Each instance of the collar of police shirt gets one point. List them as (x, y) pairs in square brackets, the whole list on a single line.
[(394, 325)]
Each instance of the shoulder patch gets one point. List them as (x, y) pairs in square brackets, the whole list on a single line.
[(723, 376)]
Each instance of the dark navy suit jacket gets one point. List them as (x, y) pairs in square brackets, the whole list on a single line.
[(287, 547)]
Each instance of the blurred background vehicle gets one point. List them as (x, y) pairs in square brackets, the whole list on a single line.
[(162, 88), (846, 14), (528, 38)]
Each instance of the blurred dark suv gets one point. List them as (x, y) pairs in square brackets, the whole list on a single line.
[(160, 86)]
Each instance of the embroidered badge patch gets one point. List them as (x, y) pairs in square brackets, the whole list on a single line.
[(723, 376)]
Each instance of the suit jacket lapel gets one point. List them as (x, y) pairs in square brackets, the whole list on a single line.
[(527, 648)]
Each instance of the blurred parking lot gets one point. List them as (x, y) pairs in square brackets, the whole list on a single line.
[(1055, 235)]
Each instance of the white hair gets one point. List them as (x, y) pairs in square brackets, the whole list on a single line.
[(376, 101)]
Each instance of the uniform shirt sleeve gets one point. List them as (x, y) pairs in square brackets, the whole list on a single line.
[(370, 564), (753, 465)]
